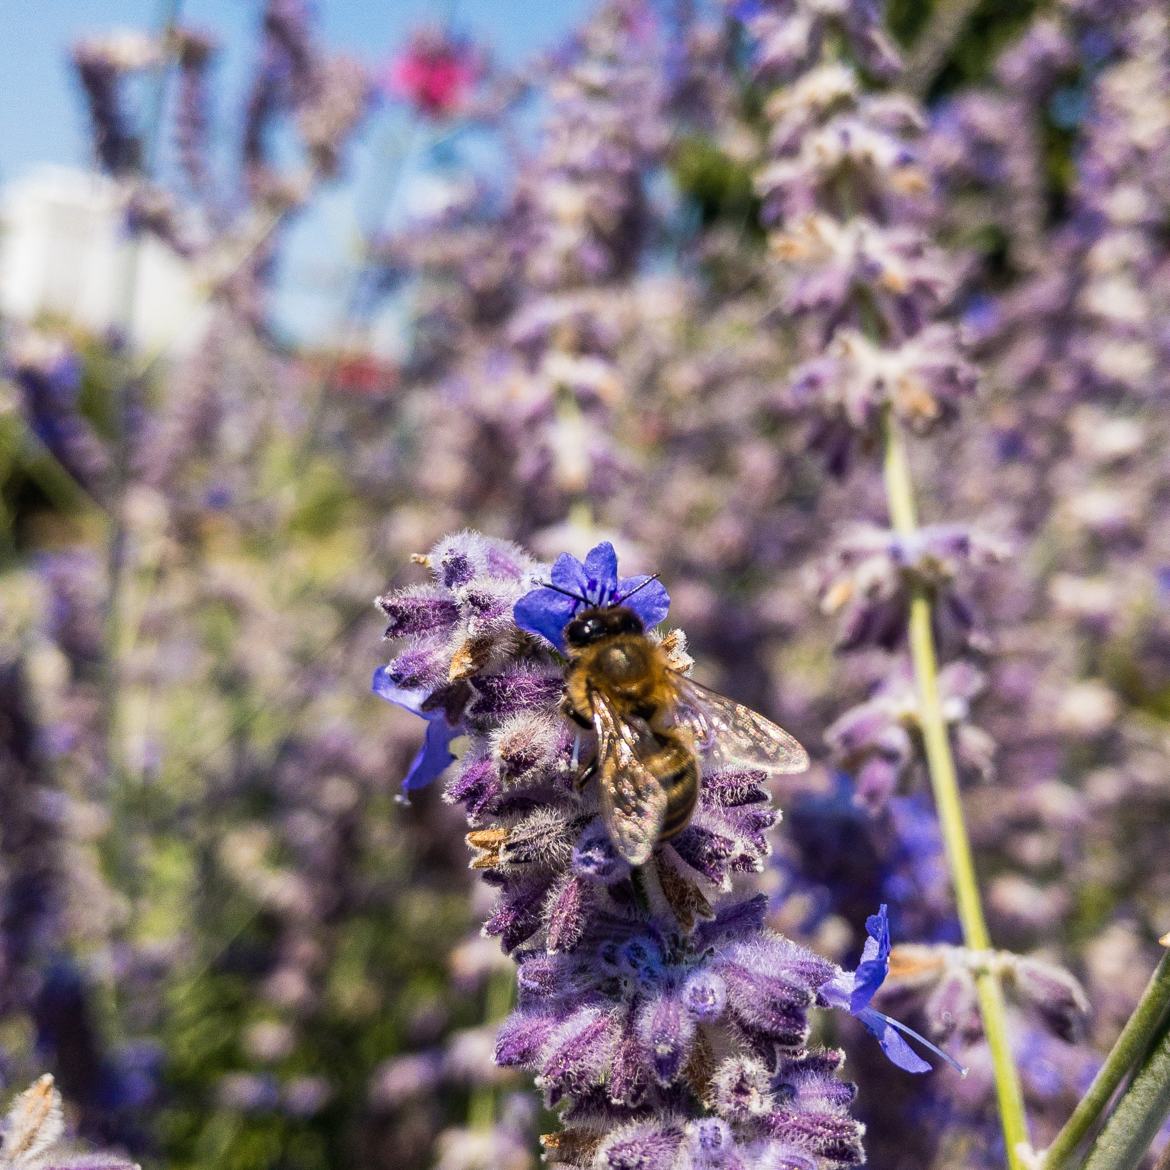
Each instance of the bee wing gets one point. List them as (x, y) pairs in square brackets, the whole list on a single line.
[(732, 732), (633, 803)]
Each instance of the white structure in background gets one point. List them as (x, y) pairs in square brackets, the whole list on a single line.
[(63, 251)]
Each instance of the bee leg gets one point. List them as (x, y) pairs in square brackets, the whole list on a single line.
[(586, 773), (577, 717)]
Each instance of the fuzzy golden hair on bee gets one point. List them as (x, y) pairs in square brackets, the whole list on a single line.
[(654, 727)]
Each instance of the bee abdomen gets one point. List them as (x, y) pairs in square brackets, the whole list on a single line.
[(678, 773)]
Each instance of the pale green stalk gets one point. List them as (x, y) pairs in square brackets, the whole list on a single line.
[(52, 477), (1138, 1116), (944, 782), (1133, 1042)]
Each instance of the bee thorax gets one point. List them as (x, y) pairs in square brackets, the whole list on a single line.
[(622, 664)]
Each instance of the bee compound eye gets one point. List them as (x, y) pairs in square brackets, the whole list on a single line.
[(582, 631)]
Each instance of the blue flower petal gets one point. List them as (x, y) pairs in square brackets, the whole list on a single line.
[(837, 991), (601, 579), (891, 1041), (569, 573), (433, 757), (857, 989), (877, 926), (650, 603), (546, 613), (409, 699), (875, 960), (435, 754), (890, 1033), (872, 951)]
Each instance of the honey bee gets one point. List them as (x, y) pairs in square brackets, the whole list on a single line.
[(653, 725)]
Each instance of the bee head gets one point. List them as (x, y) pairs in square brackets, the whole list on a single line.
[(593, 624)]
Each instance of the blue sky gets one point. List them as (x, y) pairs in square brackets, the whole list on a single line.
[(43, 119)]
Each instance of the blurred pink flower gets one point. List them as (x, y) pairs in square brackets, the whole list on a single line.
[(434, 72)]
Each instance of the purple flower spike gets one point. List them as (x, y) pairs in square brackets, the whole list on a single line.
[(435, 754), (853, 991), (594, 581), (628, 1005)]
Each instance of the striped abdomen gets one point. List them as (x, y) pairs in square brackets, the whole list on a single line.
[(675, 767)]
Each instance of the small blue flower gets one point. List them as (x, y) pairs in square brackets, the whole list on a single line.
[(852, 991), (435, 753), (546, 611)]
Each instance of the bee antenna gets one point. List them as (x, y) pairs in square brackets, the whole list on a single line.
[(623, 600), (566, 592)]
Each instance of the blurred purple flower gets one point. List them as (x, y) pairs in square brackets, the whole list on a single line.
[(849, 386), (49, 372), (789, 34), (876, 741), (940, 979), (871, 573), (102, 64)]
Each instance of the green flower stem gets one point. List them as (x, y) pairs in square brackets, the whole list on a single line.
[(945, 785), (52, 477), (1138, 1116), (1134, 1040)]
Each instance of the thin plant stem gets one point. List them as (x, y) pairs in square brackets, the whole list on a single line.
[(581, 515), (1138, 1116), (53, 477), (944, 783), (1134, 1040)]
